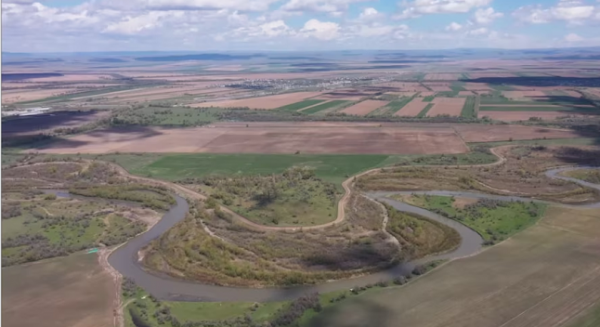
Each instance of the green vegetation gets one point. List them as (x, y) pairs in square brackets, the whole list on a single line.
[(588, 175), (395, 106), (331, 168), (495, 220), (295, 197), (457, 87), (591, 318), (497, 97), (464, 76), (479, 155), (251, 257), (153, 197), (299, 105), (68, 97), (324, 106), (155, 312), (44, 227), (164, 116), (469, 108), (501, 87), (419, 236), (567, 110), (425, 110), (428, 98), (573, 141)]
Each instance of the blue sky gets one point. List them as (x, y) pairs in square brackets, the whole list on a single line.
[(208, 25)]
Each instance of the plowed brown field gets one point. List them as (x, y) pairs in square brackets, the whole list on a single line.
[(412, 109), (364, 107), (446, 106), (268, 102), (306, 138)]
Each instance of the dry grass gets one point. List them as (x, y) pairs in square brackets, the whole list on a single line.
[(544, 276), (71, 291)]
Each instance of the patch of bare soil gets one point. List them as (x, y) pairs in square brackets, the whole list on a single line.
[(285, 139)]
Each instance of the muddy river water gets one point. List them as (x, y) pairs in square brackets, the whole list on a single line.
[(125, 258)]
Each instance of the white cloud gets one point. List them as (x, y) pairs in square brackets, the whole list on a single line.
[(320, 30), (370, 14), (133, 25), (573, 38), (319, 5), (454, 27), (571, 11), (243, 5), (486, 16), (420, 7), (478, 31)]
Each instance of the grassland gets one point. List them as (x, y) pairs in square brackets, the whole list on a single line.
[(164, 116), (588, 175), (324, 106), (68, 291), (543, 275), (332, 168), (418, 235), (299, 105), (395, 106), (152, 197), (468, 110), (540, 108), (296, 197), (590, 318), (494, 220), (45, 227), (425, 110), (171, 314), (522, 174)]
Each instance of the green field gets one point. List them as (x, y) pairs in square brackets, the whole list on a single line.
[(145, 307), (395, 106), (324, 106), (468, 110), (299, 105), (334, 168), (428, 98), (494, 220), (165, 116), (425, 110), (586, 110)]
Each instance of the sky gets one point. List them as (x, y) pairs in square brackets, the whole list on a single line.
[(295, 25)]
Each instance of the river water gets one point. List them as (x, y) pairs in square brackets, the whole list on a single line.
[(125, 258)]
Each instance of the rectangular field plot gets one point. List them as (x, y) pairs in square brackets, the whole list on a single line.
[(268, 102), (526, 115), (412, 109), (324, 106), (300, 105), (303, 138), (364, 107), (446, 106), (468, 110), (578, 109)]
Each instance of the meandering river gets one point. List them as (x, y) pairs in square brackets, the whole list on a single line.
[(125, 258)]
